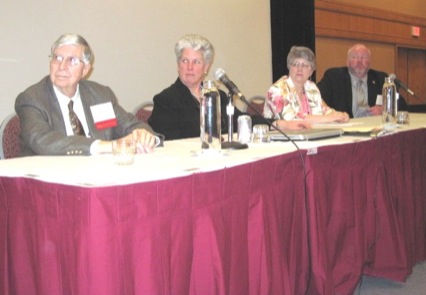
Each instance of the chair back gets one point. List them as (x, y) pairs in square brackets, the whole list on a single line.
[(143, 111), (9, 134), (257, 102)]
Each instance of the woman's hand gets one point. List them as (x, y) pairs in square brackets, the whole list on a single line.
[(292, 124)]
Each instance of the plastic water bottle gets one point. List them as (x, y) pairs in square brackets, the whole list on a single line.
[(210, 117), (390, 106)]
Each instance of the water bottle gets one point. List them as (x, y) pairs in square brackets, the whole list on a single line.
[(389, 102), (210, 117)]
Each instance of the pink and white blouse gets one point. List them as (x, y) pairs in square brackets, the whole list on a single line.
[(282, 101)]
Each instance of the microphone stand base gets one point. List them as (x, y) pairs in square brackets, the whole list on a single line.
[(233, 145)]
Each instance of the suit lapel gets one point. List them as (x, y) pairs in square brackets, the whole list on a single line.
[(88, 99), (348, 90), (372, 88), (58, 120)]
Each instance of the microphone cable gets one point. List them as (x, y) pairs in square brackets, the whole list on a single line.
[(305, 185), (286, 136), (221, 76)]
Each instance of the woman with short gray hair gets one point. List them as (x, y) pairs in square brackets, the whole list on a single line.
[(176, 112), (295, 97), (301, 52), (196, 43)]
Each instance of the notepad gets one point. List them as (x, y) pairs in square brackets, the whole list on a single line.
[(306, 134), (361, 131)]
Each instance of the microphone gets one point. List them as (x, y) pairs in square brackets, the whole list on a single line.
[(399, 83), (221, 76)]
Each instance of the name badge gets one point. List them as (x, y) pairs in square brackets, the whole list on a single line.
[(379, 100), (104, 116)]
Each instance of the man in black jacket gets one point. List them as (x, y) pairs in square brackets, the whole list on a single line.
[(354, 88)]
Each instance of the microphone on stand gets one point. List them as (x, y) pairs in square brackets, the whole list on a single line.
[(221, 76), (230, 144), (399, 83)]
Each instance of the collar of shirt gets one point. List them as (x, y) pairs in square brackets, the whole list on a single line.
[(78, 109), (355, 79)]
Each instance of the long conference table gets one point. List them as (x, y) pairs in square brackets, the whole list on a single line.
[(271, 219)]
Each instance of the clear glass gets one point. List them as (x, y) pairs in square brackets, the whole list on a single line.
[(390, 107), (403, 118), (124, 151), (260, 133), (210, 117)]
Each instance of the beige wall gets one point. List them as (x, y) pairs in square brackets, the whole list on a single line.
[(133, 42)]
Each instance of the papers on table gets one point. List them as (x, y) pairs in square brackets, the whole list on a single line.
[(351, 128)]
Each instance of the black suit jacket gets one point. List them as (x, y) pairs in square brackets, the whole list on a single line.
[(42, 124), (176, 112), (336, 89)]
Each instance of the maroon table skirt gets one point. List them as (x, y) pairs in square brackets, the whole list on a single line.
[(236, 231), (249, 229)]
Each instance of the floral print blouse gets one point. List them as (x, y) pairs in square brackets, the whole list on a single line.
[(282, 101)]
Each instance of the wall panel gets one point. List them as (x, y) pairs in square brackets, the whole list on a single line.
[(348, 21), (339, 25)]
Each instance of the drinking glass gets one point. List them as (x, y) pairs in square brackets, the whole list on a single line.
[(124, 150), (260, 133)]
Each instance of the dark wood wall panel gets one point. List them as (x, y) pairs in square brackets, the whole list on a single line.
[(333, 19), (388, 34)]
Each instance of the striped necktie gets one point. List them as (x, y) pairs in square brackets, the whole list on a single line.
[(362, 101), (77, 128)]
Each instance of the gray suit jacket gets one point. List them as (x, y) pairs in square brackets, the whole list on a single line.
[(42, 124)]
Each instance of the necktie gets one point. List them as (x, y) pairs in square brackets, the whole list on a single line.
[(362, 101), (77, 128)]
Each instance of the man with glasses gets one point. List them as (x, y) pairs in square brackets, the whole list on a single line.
[(64, 114), (354, 89)]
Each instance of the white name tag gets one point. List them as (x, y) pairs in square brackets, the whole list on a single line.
[(379, 99), (104, 116)]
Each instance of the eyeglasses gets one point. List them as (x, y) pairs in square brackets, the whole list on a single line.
[(301, 65), (70, 61)]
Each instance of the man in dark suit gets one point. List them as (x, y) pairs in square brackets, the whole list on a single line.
[(44, 111), (354, 88)]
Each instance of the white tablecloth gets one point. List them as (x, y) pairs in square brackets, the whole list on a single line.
[(177, 158)]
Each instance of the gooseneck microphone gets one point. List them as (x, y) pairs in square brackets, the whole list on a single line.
[(399, 83), (221, 76)]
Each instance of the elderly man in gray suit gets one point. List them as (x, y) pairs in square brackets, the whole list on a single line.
[(64, 114)]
